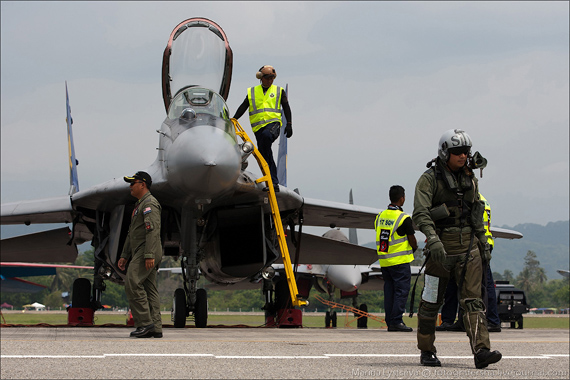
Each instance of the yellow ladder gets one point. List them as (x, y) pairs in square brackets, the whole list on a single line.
[(276, 216)]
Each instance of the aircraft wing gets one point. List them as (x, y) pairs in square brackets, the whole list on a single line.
[(505, 234), (9, 272), (48, 246), (322, 213), (47, 210), (319, 250)]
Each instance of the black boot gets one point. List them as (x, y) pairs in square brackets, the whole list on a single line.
[(429, 359), (485, 357)]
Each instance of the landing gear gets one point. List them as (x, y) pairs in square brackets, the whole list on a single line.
[(362, 322), (201, 309), (179, 312), (81, 296)]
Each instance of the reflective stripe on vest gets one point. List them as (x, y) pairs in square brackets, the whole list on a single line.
[(264, 108), (399, 248), (487, 221)]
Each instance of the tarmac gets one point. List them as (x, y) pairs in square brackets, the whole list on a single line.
[(271, 353)]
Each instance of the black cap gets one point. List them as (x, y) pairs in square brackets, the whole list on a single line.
[(141, 176)]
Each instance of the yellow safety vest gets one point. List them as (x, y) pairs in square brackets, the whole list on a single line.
[(487, 221), (264, 108), (392, 248)]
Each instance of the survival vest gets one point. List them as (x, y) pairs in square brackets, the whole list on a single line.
[(264, 108), (457, 194), (392, 248)]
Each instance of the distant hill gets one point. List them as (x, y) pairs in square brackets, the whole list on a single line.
[(550, 243)]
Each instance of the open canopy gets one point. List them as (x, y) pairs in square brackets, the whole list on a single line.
[(197, 54)]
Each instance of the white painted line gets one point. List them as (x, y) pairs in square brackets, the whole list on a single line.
[(324, 356)]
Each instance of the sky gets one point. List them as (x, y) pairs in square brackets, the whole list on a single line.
[(372, 87)]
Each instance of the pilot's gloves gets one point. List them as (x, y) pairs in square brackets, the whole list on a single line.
[(486, 254), (436, 248), (288, 130), (485, 247)]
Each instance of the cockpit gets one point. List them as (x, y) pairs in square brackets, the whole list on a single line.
[(197, 100)]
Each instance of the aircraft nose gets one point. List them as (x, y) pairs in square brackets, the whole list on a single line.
[(345, 277), (203, 161)]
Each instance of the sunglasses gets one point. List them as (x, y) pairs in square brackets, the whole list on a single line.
[(133, 183), (269, 76), (459, 151)]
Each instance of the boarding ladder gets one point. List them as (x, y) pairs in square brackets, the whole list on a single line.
[(349, 309), (296, 301)]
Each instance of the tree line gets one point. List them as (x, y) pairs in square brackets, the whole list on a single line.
[(540, 292)]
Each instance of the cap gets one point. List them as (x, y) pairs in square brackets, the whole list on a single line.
[(141, 176)]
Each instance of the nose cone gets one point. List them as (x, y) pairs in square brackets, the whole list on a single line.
[(345, 277), (203, 161)]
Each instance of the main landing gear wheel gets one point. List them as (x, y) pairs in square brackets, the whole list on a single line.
[(328, 319), (179, 308), (362, 322), (201, 309), (81, 296), (333, 319)]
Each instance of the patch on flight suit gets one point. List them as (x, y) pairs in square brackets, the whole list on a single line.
[(430, 289), (148, 226), (147, 211), (384, 240)]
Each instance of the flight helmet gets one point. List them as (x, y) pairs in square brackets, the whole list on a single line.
[(266, 70), (453, 139)]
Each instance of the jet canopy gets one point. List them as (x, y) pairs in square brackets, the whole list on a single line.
[(197, 54), (198, 100)]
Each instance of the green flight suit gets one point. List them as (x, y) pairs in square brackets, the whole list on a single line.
[(459, 192), (143, 242)]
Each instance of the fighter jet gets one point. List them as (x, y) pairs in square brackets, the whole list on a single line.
[(216, 217)]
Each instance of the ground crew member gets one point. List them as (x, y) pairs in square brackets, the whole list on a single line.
[(396, 243), (449, 309), (264, 102), (448, 211), (144, 250)]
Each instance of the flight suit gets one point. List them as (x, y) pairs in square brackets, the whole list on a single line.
[(143, 242), (459, 192)]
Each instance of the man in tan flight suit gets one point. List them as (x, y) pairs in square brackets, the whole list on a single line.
[(144, 250)]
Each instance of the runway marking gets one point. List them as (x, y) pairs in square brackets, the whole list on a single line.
[(324, 356)]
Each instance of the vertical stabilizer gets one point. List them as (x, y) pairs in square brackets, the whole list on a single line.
[(282, 155), (352, 236), (73, 178)]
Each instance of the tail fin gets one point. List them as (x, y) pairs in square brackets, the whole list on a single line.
[(282, 155), (73, 178), (352, 237)]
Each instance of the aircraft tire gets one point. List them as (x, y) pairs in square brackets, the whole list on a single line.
[(520, 322), (362, 322), (328, 319), (179, 308), (201, 309), (81, 296), (333, 319)]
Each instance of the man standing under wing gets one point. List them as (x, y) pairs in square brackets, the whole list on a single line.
[(448, 211), (144, 250), (396, 244)]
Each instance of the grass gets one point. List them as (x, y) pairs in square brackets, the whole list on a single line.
[(253, 320)]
